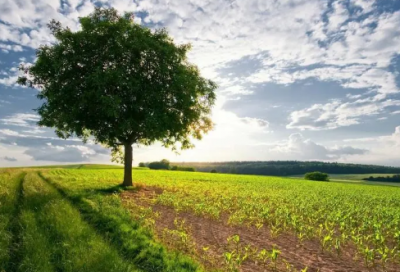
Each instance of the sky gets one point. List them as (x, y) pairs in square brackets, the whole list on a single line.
[(298, 79)]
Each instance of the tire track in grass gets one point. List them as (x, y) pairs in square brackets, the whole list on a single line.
[(75, 245), (36, 253), (9, 181), (105, 213), (15, 229), (107, 227)]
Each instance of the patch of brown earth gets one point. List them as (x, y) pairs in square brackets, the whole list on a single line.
[(213, 234)]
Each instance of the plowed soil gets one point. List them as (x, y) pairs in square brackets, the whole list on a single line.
[(213, 233)]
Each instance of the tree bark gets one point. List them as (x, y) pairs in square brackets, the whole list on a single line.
[(128, 166)]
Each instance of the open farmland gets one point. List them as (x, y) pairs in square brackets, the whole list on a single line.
[(81, 219), (357, 179)]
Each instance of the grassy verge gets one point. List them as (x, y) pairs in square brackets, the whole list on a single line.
[(103, 209), (56, 238)]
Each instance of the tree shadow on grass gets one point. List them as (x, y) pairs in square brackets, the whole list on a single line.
[(114, 189)]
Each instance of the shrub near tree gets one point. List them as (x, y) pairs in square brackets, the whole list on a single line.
[(319, 176), (120, 83)]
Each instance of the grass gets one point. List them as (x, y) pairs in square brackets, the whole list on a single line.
[(80, 166), (101, 207), (357, 178), (43, 228), (10, 183), (336, 214), (69, 243), (74, 220)]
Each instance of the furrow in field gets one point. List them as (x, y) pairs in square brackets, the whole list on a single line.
[(213, 234)]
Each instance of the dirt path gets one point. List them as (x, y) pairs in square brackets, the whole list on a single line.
[(213, 234)]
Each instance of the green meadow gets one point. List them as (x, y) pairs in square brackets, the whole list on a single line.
[(75, 219)]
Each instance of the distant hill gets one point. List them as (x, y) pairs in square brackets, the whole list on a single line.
[(287, 168)]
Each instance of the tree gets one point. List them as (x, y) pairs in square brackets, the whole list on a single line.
[(120, 84), (316, 176)]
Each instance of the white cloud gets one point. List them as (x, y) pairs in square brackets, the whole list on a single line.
[(12, 75), (255, 122), (8, 47), (338, 16), (354, 76), (10, 80), (299, 147), (396, 136), (21, 120), (366, 5), (383, 149), (8, 132), (337, 114), (235, 90), (69, 153), (42, 148), (290, 38), (355, 96), (34, 130)]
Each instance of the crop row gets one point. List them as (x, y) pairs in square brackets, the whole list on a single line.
[(340, 216)]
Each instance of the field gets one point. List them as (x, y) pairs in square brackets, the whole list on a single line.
[(80, 219), (357, 178)]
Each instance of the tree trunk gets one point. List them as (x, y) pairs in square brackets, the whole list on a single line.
[(128, 166)]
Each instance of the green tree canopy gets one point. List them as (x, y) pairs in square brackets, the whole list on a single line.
[(120, 83), (319, 176)]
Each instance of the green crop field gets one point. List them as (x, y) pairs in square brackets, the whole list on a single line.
[(80, 219), (358, 178)]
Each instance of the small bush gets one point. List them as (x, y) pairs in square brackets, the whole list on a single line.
[(213, 171), (142, 164), (319, 176), (163, 164)]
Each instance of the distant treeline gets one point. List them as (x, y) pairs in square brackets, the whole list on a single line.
[(286, 168), (165, 165), (394, 178)]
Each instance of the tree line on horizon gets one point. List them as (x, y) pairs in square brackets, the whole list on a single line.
[(286, 168), (394, 178), (166, 165)]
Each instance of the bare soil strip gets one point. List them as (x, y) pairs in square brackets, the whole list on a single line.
[(212, 234)]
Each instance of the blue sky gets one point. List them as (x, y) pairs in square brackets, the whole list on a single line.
[(298, 79)]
